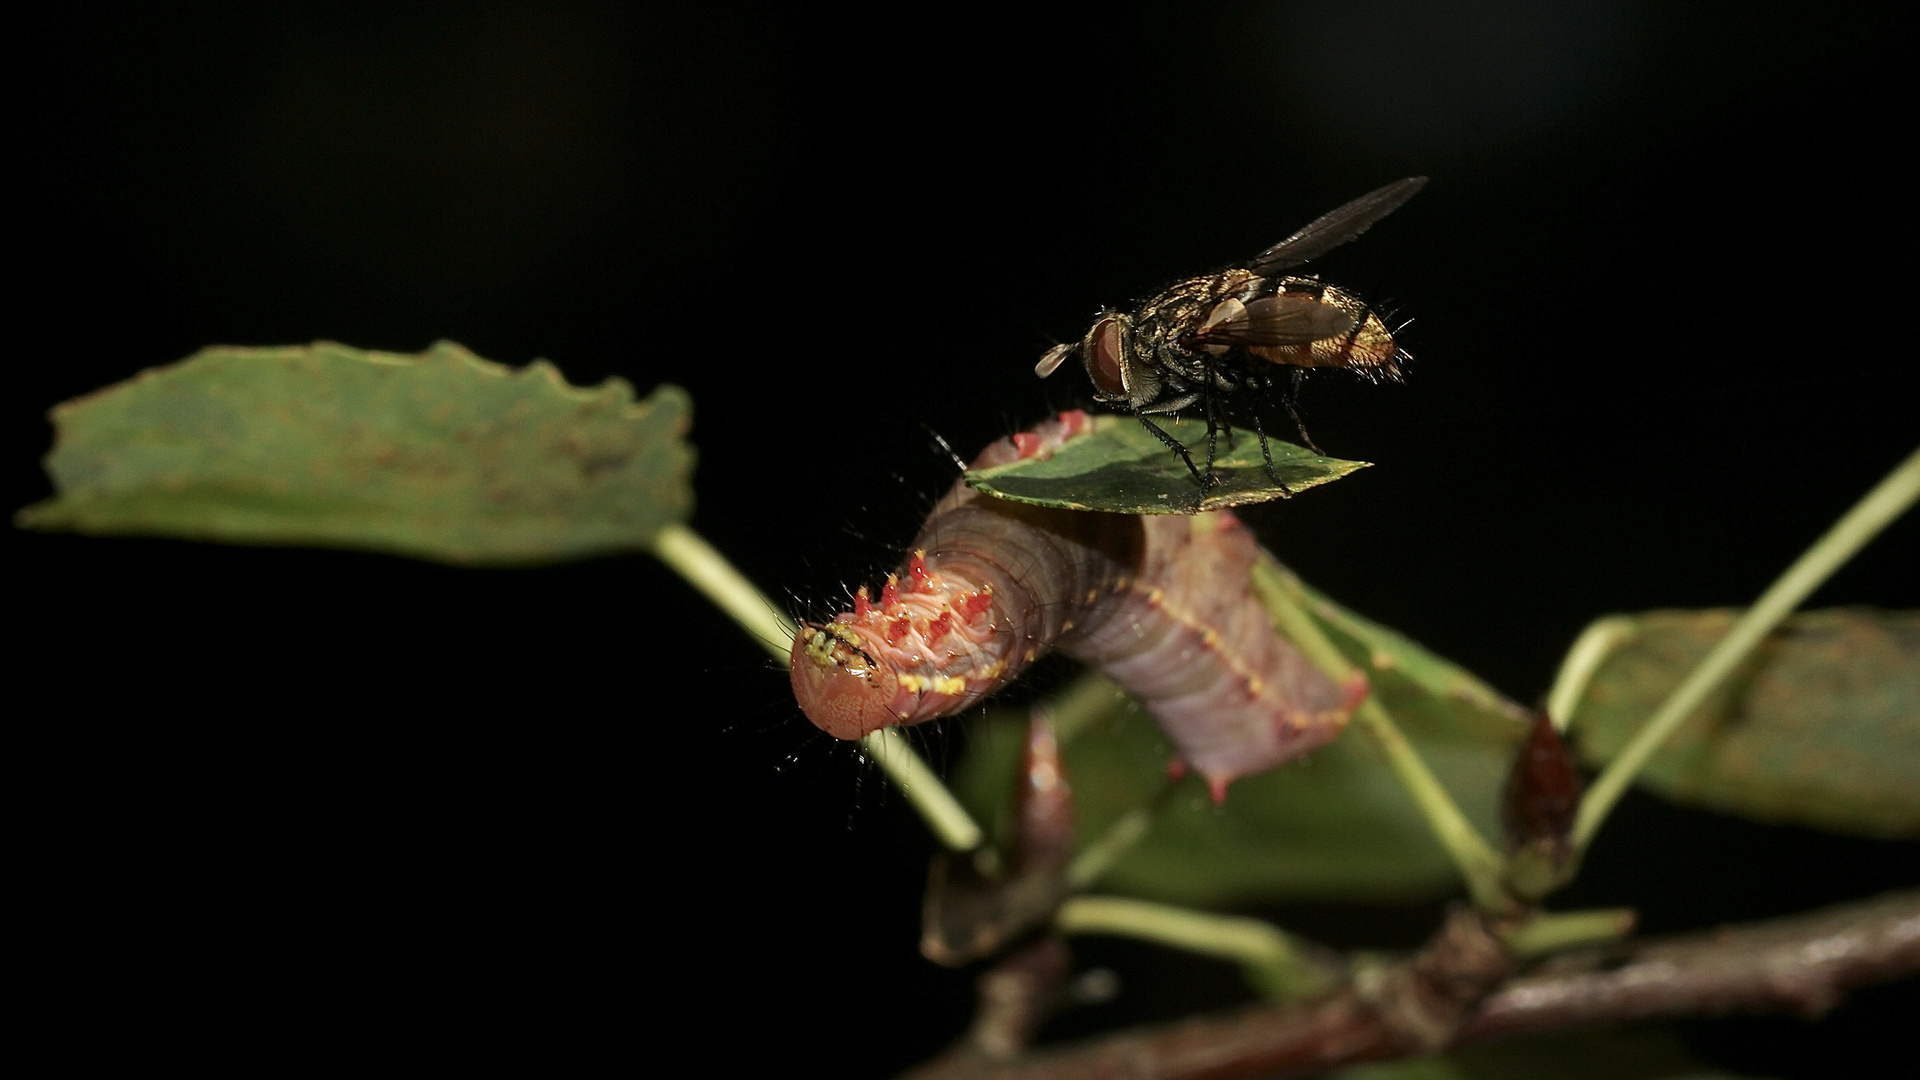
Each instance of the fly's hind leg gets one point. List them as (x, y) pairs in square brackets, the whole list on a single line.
[(1267, 456), (1292, 401)]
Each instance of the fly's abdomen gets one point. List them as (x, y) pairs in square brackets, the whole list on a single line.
[(1367, 348)]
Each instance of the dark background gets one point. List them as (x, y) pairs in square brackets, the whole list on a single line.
[(289, 804)]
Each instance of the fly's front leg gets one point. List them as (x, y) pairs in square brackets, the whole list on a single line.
[(1174, 445)]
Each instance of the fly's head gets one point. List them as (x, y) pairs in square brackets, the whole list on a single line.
[(1110, 352)]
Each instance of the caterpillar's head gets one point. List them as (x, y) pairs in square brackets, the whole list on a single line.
[(844, 689)]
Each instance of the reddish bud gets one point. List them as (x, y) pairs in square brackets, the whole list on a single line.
[(1543, 791)]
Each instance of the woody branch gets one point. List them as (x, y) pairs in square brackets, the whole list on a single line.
[(1460, 988)]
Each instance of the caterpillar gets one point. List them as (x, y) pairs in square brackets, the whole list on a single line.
[(1161, 604)]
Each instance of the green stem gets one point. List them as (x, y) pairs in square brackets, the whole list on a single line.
[(1887, 501), (1558, 931), (709, 571), (1090, 699), (1589, 651), (1097, 857), (1480, 866), (1250, 942), (922, 787), (705, 569)]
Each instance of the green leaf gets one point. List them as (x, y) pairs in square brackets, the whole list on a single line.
[(1821, 726), (1119, 467), (1334, 826), (440, 455)]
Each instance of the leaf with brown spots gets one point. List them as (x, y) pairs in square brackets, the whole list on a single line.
[(439, 455), (1821, 726)]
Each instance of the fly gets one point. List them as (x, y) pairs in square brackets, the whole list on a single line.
[(1210, 340)]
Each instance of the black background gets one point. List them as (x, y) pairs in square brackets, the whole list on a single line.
[(287, 805)]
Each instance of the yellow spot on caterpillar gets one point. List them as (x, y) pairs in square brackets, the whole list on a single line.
[(1256, 685), (1210, 637), (1121, 585), (914, 683), (1092, 595), (1030, 656), (949, 684), (1154, 595), (1066, 626)]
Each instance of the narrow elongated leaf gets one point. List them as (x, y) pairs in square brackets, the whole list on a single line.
[(1821, 727), (439, 455), (1119, 467)]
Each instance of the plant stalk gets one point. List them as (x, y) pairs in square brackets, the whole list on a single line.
[(1479, 865), (1250, 942), (1888, 500), (709, 571)]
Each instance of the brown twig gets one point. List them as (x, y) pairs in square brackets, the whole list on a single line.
[(1440, 997)]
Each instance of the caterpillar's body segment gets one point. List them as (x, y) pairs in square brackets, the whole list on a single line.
[(1161, 604)]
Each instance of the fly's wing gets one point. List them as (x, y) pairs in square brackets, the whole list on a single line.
[(1336, 227), (1281, 319), (1052, 360)]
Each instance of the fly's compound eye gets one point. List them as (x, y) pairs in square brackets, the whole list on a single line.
[(1106, 360)]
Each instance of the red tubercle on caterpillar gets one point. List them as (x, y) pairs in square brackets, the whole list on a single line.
[(1357, 688), (973, 605)]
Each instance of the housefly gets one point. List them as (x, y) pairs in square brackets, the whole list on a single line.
[(1211, 340)]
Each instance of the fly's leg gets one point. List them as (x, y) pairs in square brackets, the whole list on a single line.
[(1213, 429), (1173, 444), (1267, 456), (1292, 402)]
